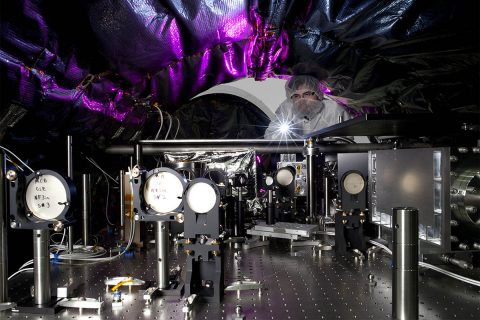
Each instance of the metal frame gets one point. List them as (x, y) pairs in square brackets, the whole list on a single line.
[(18, 211)]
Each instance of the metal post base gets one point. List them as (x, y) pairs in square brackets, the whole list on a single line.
[(239, 286), (174, 290), (82, 303), (7, 306), (235, 240), (28, 306), (255, 242)]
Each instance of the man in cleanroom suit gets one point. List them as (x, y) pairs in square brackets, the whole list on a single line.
[(305, 110)]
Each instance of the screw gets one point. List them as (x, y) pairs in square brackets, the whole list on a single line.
[(11, 175)]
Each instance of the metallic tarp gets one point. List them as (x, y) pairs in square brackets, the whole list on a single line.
[(84, 65)]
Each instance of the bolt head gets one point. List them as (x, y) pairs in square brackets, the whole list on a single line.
[(180, 217), (11, 175), (58, 226)]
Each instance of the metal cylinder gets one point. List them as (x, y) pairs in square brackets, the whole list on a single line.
[(3, 235), (326, 197), (260, 146), (270, 208), (41, 266), (161, 246), (405, 264), (122, 204), (138, 154), (70, 175), (311, 195), (86, 200), (240, 215)]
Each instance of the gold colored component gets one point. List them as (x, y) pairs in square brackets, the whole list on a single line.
[(121, 283), (189, 252)]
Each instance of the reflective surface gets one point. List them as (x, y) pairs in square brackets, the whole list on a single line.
[(297, 285)]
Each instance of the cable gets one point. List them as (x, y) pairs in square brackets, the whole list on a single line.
[(29, 262), (178, 128), (450, 274), (14, 163), (169, 125), (434, 268), (161, 122), (99, 168), (344, 139), (13, 154), (106, 205), (88, 254), (121, 283), (378, 244), (20, 271)]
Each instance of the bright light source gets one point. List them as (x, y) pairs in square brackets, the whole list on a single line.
[(284, 128)]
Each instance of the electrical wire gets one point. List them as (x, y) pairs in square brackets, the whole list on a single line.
[(178, 128), (378, 244), (161, 122), (99, 168), (344, 139), (121, 283), (169, 125), (13, 154), (450, 274), (96, 254), (107, 200), (14, 163), (26, 264), (20, 271), (434, 268)]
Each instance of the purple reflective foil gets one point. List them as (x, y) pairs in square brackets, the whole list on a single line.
[(174, 49), (268, 48)]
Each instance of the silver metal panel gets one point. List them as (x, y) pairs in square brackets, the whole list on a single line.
[(278, 235), (418, 178), (297, 285), (304, 230)]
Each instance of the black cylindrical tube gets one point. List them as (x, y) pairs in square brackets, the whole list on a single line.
[(122, 204), (3, 235), (270, 209), (239, 215), (311, 195), (326, 196), (86, 199), (266, 147), (70, 175), (138, 154), (405, 264)]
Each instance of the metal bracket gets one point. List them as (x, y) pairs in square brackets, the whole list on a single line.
[(245, 285), (81, 303)]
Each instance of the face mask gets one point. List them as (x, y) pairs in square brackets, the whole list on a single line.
[(306, 108)]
